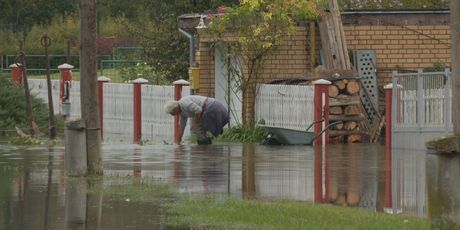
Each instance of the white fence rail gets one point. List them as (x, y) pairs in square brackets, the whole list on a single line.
[(157, 126), (286, 106)]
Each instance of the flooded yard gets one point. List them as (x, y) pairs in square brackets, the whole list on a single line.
[(36, 194)]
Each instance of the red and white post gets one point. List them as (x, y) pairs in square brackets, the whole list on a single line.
[(321, 107), (100, 88), (65, 83), (137, 92), (65, 71), (178, 85), (16, 74), (388, 110), (388, 103)]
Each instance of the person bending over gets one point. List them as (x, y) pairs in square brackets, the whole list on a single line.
[(207, 114)]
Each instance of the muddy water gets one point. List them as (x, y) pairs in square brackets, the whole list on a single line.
[(36, 194)]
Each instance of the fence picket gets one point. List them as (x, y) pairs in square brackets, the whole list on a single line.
[(286, 106)]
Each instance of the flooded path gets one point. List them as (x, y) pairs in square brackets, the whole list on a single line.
[(36, 194)]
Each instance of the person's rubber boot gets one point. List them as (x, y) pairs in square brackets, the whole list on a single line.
[(205, 141)]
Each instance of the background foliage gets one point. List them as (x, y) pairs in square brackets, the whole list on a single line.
[(12, 109), (153, 23)]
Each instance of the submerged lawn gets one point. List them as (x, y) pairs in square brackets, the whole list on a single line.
[(196, 212), (254, 214)]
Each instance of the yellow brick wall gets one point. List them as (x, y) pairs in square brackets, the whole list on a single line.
[(406, 47), (397, 47)]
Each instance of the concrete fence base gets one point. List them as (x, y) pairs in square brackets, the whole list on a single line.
[(75, 148)]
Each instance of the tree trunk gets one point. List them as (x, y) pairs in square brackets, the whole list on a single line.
[(455, 33), (88, 80), (46, 42), (27, 91)]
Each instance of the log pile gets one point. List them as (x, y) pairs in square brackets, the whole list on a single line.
[(345, 105)]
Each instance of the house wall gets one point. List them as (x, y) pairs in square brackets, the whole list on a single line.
[(402, 40), (406, 47)]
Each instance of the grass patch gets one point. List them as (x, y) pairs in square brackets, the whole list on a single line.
[(243, 133), (254, 214), (130, 188)]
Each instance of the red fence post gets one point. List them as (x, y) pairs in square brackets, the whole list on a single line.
[(321, 101), (100, 87), (388, 98), (388, 110), (16, 73), (65, 71), (178, 85), (138, 108)]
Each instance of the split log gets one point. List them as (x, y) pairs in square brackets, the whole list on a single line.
[(343, 99), (360, 117), (352, 110), (340, 84), (354, 138), (335, 110), (336, 140), (333, 91), (352, 87), (350, 125), (338, 126)]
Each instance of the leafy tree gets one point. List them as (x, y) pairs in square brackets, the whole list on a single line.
[(155, 27), (22, 15), (253, 30)]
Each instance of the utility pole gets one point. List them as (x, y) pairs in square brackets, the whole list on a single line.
[(455, 33), (88, 84)]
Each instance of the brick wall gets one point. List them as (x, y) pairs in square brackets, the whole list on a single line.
[(402, 41), (398, 47), (407, 47)]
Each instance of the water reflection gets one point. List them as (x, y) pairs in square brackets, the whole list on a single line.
[(444, 191), (35, 194)]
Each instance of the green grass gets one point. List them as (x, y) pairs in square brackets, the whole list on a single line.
[(207, 212), (254, 214), (243, 133), (134, 189)]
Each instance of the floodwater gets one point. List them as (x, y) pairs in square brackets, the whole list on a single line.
[(36, 194)]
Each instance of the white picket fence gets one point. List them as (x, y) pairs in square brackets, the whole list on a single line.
[(157, 126), (286, 106)]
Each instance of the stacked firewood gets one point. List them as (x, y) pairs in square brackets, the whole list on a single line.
[(345, 106)]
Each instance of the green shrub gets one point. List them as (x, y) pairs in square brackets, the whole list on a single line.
[(438, 66), (243, 133), (12, 109)]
